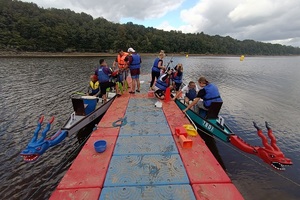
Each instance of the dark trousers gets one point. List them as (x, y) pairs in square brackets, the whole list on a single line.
[(153, 76)]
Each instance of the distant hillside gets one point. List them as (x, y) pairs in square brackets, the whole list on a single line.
[(27, 27)]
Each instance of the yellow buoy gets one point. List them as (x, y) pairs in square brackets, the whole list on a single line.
[(242, 57), (186, 55)]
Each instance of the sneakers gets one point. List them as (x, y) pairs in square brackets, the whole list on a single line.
[(138, 91), (132, 92)]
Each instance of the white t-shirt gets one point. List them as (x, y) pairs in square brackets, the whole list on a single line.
[(185, 89)]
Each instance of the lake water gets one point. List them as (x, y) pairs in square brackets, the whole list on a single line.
[(258, 89)]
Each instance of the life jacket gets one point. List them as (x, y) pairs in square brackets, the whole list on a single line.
[(136, 61), (102, 77), (177, 79), (95, 87), (212, 95), (155, 65), (162, 85), (191, 94), (121, 60)]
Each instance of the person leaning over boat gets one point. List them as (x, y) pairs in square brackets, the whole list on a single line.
[(177, 77), (94, 86), (162, 83), (189, 91), (103, 72), (156, 68), (209, 93), (122, 65), (134, 62)]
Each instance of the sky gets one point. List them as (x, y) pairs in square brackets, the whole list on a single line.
[(271, 21)]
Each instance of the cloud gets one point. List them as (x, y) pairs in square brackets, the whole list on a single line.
[(114, 10), (264, 20)]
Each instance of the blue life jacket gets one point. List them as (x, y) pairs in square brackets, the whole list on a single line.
[(178, 79), (162, 85), (191, 94), (136, 61), (212, 95), (102, 77), (155, 65)]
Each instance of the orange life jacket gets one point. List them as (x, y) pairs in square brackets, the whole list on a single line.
[(121, 62)]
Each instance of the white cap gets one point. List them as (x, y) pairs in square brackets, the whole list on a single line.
[(130, 50)]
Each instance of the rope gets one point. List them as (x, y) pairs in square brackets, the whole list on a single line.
[(242, 153), (122, 120)]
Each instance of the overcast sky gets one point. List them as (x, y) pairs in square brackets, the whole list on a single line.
[(274, 21)]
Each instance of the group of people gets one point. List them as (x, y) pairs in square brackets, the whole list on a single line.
[(101, 80), (162, 78), (167, 77)]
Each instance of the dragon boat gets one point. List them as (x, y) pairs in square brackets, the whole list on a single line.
[(212, 123), (86, 109)]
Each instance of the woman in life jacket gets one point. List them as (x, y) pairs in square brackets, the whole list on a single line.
[(162, 83), (177, 77), (157, 68), (94, 86)]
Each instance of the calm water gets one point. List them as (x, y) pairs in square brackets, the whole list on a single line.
[(258, 89)]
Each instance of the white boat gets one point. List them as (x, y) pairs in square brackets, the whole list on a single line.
[(86, 110)]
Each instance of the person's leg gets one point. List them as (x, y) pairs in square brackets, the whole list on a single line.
[(186, 100), (138, 83), (133, 84), (153, 76), (201, 105), (103, 91)]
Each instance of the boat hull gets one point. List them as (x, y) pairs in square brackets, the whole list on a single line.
[(77, 122), (211, 126)]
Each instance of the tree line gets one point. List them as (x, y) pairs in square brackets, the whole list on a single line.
[(27, 27)]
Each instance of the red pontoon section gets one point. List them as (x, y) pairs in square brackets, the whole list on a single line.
[(145, 158)]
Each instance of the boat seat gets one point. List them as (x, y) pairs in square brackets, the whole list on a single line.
[(214, 110), (78, 106)]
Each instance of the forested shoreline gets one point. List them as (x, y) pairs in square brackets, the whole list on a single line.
[(25, 27)]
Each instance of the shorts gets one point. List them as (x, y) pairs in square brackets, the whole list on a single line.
[(177, 86), (159, 93), (105, 85), (135, 73)]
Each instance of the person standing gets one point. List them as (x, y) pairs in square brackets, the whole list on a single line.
[(122, 66), (134, 62), (209, 93), (157, 67)]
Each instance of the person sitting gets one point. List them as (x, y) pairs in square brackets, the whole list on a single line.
[(209, 93), (189, 91), (162, 83), (177, 77), (104, 72), (94, 86)]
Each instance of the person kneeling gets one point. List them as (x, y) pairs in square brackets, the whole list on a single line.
[(162, 84), (189, 92)]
